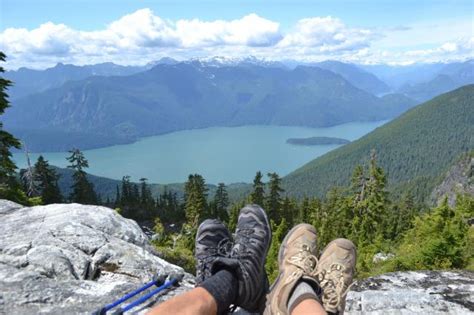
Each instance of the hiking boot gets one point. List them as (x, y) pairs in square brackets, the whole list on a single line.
[(251, 242), (213, 240), (335, 271), (296, 261)]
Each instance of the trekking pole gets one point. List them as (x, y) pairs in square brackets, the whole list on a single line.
[(158, 280), (174, 280)]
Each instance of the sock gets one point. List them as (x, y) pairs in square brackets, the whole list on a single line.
[(223, 286), (302, 291)]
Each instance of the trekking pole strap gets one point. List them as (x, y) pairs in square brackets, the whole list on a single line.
[(166, 285), (157, 281)]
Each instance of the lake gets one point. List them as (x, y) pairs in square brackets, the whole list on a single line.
[(220, 154)]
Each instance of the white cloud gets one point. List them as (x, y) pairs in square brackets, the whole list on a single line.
[(142, 36), (328, 34), (251, 30)]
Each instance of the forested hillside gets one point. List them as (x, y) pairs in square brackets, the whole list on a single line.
[(414, 149)]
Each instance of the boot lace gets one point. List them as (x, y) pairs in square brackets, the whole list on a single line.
[(334, 286), (305, 261), (222, 249), (243, 238)]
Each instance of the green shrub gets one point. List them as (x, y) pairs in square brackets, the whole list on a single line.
[(438, 240)]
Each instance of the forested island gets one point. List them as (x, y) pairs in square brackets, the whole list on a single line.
[(317, 141)]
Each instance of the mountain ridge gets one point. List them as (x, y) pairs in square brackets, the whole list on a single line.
[(181, 96)]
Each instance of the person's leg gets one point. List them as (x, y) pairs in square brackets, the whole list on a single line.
[(195, 302), (306, 285), (216, 290), (308, 307), (296, 289)]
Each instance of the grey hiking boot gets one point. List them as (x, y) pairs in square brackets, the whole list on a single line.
[(335, 271), (296, 260), (251, 242), (213, 240)]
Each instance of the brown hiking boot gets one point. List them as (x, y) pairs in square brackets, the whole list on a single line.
[(335, 272), (296, 260)]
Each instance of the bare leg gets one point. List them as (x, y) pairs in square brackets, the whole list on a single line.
[(195, 302), (308, 307)]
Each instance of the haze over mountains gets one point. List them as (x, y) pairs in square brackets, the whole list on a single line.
[(98, 105)]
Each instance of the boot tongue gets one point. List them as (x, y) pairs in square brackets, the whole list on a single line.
[(314, 284), (226, 263)]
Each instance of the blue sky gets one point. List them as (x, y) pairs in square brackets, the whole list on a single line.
[(41, 33)]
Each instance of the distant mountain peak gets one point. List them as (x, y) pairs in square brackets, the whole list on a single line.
[(225, 61)]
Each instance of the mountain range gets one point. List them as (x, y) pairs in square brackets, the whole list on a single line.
[(447, 78), (104, 110), (357, 76), (415, 149)]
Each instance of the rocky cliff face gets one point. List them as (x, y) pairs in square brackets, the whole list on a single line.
[(458, 180), (73, 259)]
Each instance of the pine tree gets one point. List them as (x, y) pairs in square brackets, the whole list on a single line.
[(82, 189), (47, 180), (27, 177), (146, 199), (126, 191), (234, 215), (274, 200), (258, 194), (271, 264), (372, 221), (401, 217), (9, 187), (302, 215), (221, 203), (117, 197), (195, 191), (289, 210)]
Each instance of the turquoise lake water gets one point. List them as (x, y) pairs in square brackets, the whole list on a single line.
[(220, 154)]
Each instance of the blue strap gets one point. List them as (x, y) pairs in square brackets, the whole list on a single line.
[(149, 295), (127, 296)]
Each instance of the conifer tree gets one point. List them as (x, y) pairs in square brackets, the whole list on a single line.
[(146, 198), (47, 180), (302, 215), (126, 191), (274, 199), (221, 203), (271, 264), (234, 215), (258, 193), (289, 210), (315, 212), (82, 189), (9, 187), (117, 197), (195, 191), (401, 216), (373, 205)]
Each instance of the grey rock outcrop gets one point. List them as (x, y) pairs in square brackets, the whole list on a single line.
[(413, 292), (459, 179), (72, 258)]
